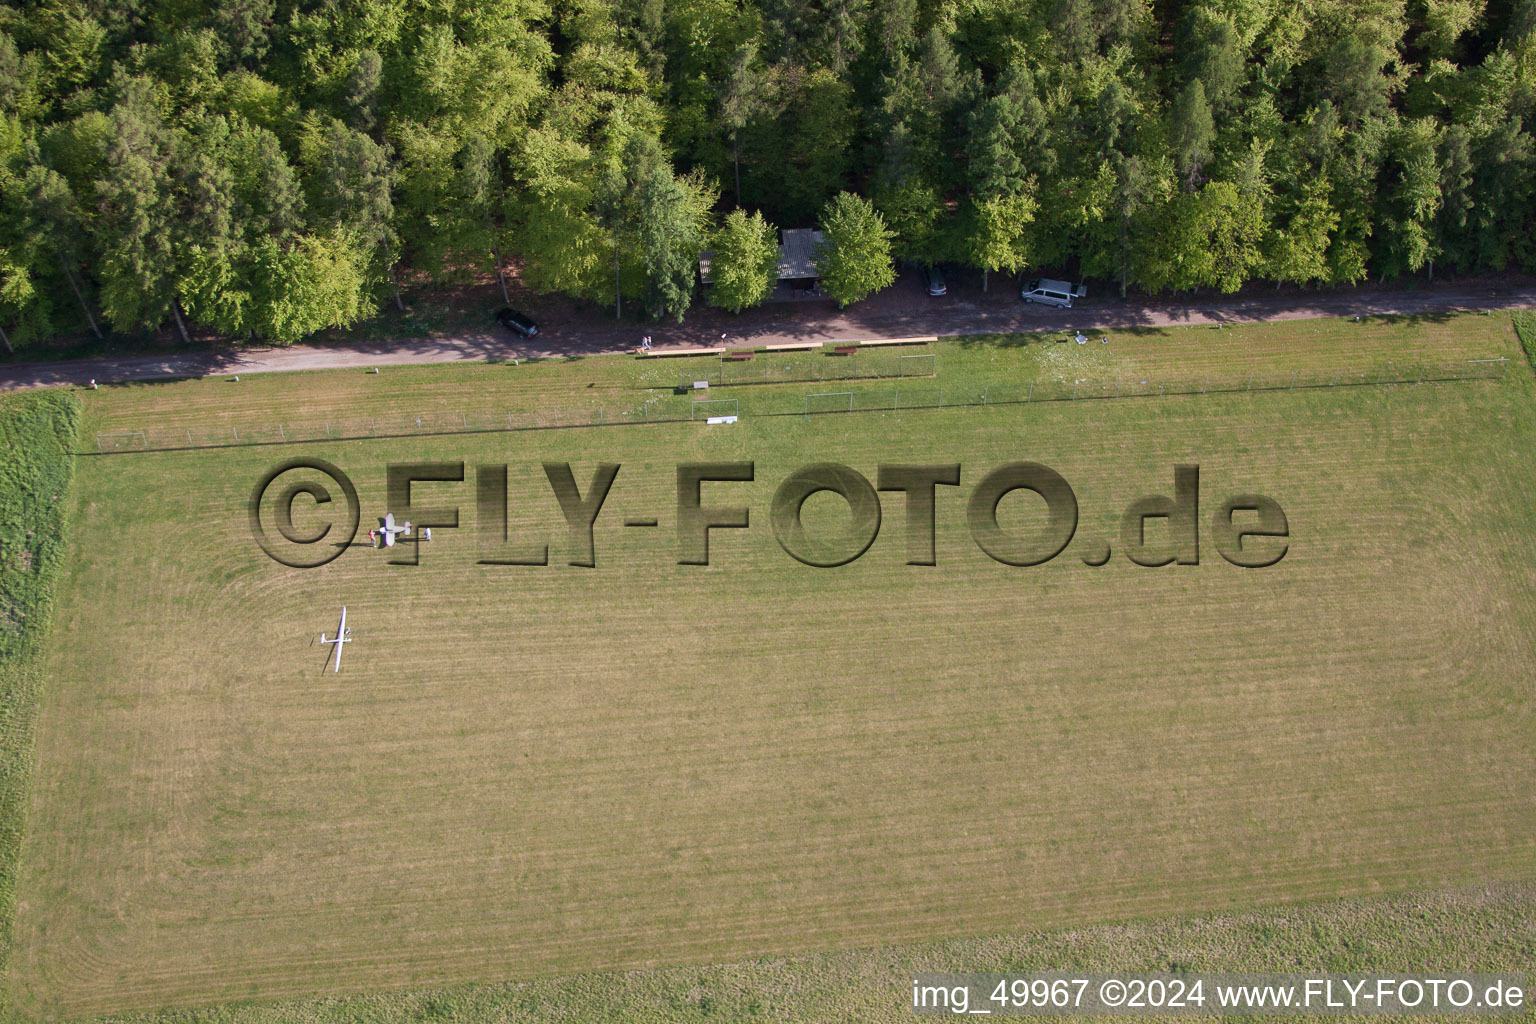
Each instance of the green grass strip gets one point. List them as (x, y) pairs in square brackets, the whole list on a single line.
[(1525, 329), (37, 436)]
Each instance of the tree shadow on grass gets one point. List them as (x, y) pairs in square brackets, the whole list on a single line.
[(1023, 339), (1410, 319)]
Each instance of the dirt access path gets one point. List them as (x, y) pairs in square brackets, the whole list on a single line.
[(902, 311)]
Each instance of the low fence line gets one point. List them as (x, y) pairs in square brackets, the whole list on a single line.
[(830, 362), (903, 398), (683, 408)]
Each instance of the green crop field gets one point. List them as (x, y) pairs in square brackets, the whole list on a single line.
[(533, 772)]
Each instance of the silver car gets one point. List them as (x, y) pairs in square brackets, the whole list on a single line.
[(1052, 293)]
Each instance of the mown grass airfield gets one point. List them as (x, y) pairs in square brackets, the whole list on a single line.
[(528, 774)]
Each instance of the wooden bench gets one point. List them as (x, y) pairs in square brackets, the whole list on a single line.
[(679, 353), (845, 350), (740, 354)]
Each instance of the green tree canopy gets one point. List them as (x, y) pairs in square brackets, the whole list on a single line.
[(854, 258), (744, 263), (194, 165)]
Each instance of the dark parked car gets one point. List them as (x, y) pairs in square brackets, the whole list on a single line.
[(934, 277), (512, 320)]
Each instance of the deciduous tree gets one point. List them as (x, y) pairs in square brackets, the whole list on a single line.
[(744, 262), (854, 258)]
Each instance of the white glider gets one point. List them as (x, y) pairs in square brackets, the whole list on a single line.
[(343, 636)]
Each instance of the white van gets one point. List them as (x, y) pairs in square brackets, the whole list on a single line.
[(1052, 293)]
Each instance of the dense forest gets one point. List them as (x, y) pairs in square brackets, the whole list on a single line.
[(269, 168)]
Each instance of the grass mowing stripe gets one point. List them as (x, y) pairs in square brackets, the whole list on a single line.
[(543, 771), (535, 773), (1478, 929)]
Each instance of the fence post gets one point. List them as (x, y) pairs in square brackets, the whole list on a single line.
[(236, 432), (327, 428), (465, 417), (281, 433), (1293, 378), (1250, 380), (1031, 395), (189, 438)]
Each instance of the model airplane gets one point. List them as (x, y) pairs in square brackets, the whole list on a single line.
[(387, 534), (343, 636)]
